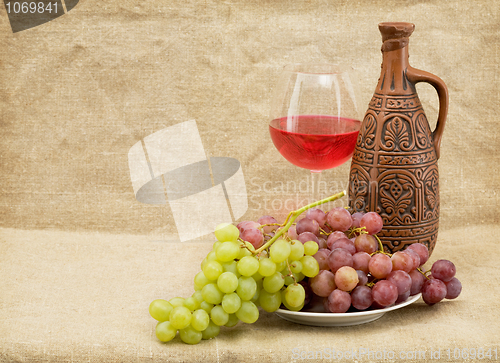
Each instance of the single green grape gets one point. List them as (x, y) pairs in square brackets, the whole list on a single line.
[(165, 332), (200, 320), (288, 306), (248, 265), (227, 282), (231, 303), (295, 295), (180, 317), (226, 232), (257, 276), (190, 335), (248, 312), (280, 250), (191, 303), (233, 320), (176, 301), (160, 309), (281, 266), (212, 270), (244, 252), (310, 248), (212, 256), (274, 282), (200, 280), (270, 302), (296, 266), (310, 266), (212, 294), (296, 250), (198, 296), (219, 316), (231, 266), (246, 287), (227, 251), (267, 267), (211, 331), (206, 306)]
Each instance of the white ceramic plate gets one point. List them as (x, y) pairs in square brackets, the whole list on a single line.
[(340, 319)]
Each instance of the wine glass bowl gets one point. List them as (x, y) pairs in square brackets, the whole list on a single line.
[(315, 117)]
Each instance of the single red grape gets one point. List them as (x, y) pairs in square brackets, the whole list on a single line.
[(307, 225), (366, 243), (372, 222), (360, 261), (356, 218), (384, 293), (361, 297), (380, 266), (339, 258), (433, 291), (254, 236), (344, 243), (422, 251), (453, 288), (334, 236), (401, 279), (323, 283), (338, 301), (339, 219), (443, 270), (402, 261), (318, 215)]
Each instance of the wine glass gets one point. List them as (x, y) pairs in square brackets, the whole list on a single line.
[(315, 119)]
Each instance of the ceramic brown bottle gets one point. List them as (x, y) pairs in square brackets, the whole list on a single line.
[(394, 168)]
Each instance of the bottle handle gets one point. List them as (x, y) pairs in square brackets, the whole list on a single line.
[(416, 75)]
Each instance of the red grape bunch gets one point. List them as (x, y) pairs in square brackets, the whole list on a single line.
[(356, 272)]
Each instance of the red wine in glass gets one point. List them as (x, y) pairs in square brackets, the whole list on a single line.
[(315, 142), (314, 117)]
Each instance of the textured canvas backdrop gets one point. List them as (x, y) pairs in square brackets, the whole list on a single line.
[(81, 258), (77, 92)]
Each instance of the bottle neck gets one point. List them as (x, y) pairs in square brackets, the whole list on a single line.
[(393, 78)]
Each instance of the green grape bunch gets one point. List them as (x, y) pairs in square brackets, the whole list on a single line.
[(255, 265)]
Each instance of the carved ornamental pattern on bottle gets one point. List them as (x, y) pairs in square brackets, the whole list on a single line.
[(397, 176)]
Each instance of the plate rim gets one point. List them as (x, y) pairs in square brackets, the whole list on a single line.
[(407, 302)]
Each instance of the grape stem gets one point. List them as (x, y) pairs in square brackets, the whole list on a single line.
[(292, 216), (325, 232), (380, 246), (424, 273), (246, 244), (359, 230), (290, 271), (268, 224), (329, 227)]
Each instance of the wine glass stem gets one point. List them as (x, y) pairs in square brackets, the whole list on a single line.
[(315, 180)]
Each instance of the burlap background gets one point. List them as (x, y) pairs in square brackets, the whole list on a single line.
[(76, 93)]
